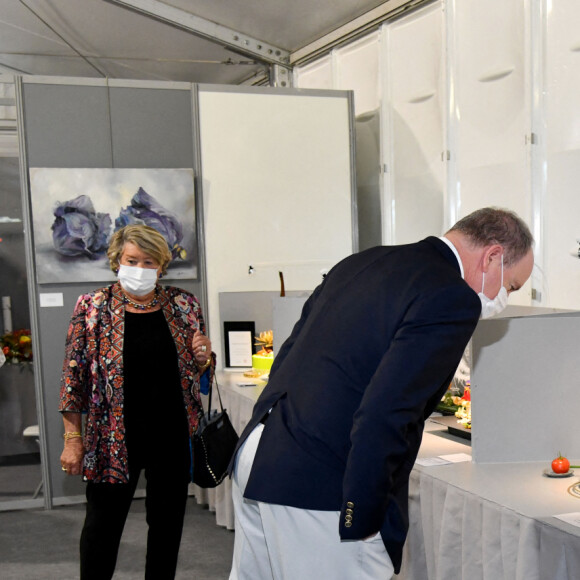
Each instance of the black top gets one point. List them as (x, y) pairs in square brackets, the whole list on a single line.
[(155, 418)]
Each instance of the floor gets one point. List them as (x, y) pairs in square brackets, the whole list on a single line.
[(39, 544), (42, 544)]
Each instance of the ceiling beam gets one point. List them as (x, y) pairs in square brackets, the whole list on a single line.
[(231, 39), (360, 26), (10, 70)]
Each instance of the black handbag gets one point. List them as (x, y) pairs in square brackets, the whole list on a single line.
[(213, 445)]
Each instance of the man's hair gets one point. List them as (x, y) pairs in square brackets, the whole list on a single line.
[(492, 225)]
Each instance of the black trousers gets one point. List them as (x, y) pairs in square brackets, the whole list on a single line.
[(107, 508)]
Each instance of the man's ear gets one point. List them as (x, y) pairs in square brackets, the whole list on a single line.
[(491, 253)]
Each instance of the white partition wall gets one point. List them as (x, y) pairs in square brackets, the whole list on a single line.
[(278, 189), (353, 67), (413, 126), (478, 108), (562, 150), (492, 116), (315, 76), (491, 122)]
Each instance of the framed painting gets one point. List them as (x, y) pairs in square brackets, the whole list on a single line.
[(75, 212)]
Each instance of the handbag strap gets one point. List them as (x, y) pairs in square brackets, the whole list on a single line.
[(210, 394)]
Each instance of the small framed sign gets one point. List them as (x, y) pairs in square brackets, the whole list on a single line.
[(239, 343)]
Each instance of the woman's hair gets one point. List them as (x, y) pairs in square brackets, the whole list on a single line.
[(146, 238), (492, 225)]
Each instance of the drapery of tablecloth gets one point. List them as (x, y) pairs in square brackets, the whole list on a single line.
[(457, 535), (454, 533)]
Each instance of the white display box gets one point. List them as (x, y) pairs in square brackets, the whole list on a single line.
[(525, 387), (285, 314)]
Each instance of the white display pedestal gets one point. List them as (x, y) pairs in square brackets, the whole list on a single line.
[(285, 314)]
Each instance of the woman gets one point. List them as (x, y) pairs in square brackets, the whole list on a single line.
[(135, 355)]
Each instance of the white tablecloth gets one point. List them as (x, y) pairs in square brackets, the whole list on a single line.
[(493, 521), (467, 521), (239, 402)]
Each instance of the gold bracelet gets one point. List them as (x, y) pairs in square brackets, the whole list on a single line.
[(202, 369), (72, 435)]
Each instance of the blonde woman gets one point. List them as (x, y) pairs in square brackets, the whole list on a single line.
[(136, 353)]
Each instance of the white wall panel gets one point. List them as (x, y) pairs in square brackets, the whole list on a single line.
[(317, 75), (413, 140), (492, 105), (562, 122), (493, 110), (511, 70), (277, 189), (356, 66)]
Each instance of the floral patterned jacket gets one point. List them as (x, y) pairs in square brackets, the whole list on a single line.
[(92, 379)]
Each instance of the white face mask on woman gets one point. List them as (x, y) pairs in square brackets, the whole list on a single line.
[(137, 281), (491, 307)]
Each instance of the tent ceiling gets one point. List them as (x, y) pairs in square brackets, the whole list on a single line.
[(104, 38)]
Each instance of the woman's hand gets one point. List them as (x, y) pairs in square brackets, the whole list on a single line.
[(201, 346), (71, 459)]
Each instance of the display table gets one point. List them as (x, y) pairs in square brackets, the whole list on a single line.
[(488, 520), (467, 520), (239, 402)]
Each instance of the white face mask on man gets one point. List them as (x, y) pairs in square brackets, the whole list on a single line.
[(137, 281), (491, 307)]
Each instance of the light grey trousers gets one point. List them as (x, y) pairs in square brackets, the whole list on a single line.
[(276, 542)]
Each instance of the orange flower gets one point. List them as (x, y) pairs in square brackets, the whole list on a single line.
[(17, 346)]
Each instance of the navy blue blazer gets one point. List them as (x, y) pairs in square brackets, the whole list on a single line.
[(375, 348)]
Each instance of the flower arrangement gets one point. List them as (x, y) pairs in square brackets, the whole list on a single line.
[(263, 359), (265, 341), (463, 412), (17, 346)]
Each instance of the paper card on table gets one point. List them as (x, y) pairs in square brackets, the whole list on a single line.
[(239, 336), (240, 343), (430, 461), (456, 457), (571, 518)]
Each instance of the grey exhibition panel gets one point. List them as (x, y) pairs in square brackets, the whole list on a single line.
[(151, 127), (66, 126), (86, 125), (243, 144), (13, 279)]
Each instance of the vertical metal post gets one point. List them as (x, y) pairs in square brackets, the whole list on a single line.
[(32, 292), (280, 76)]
